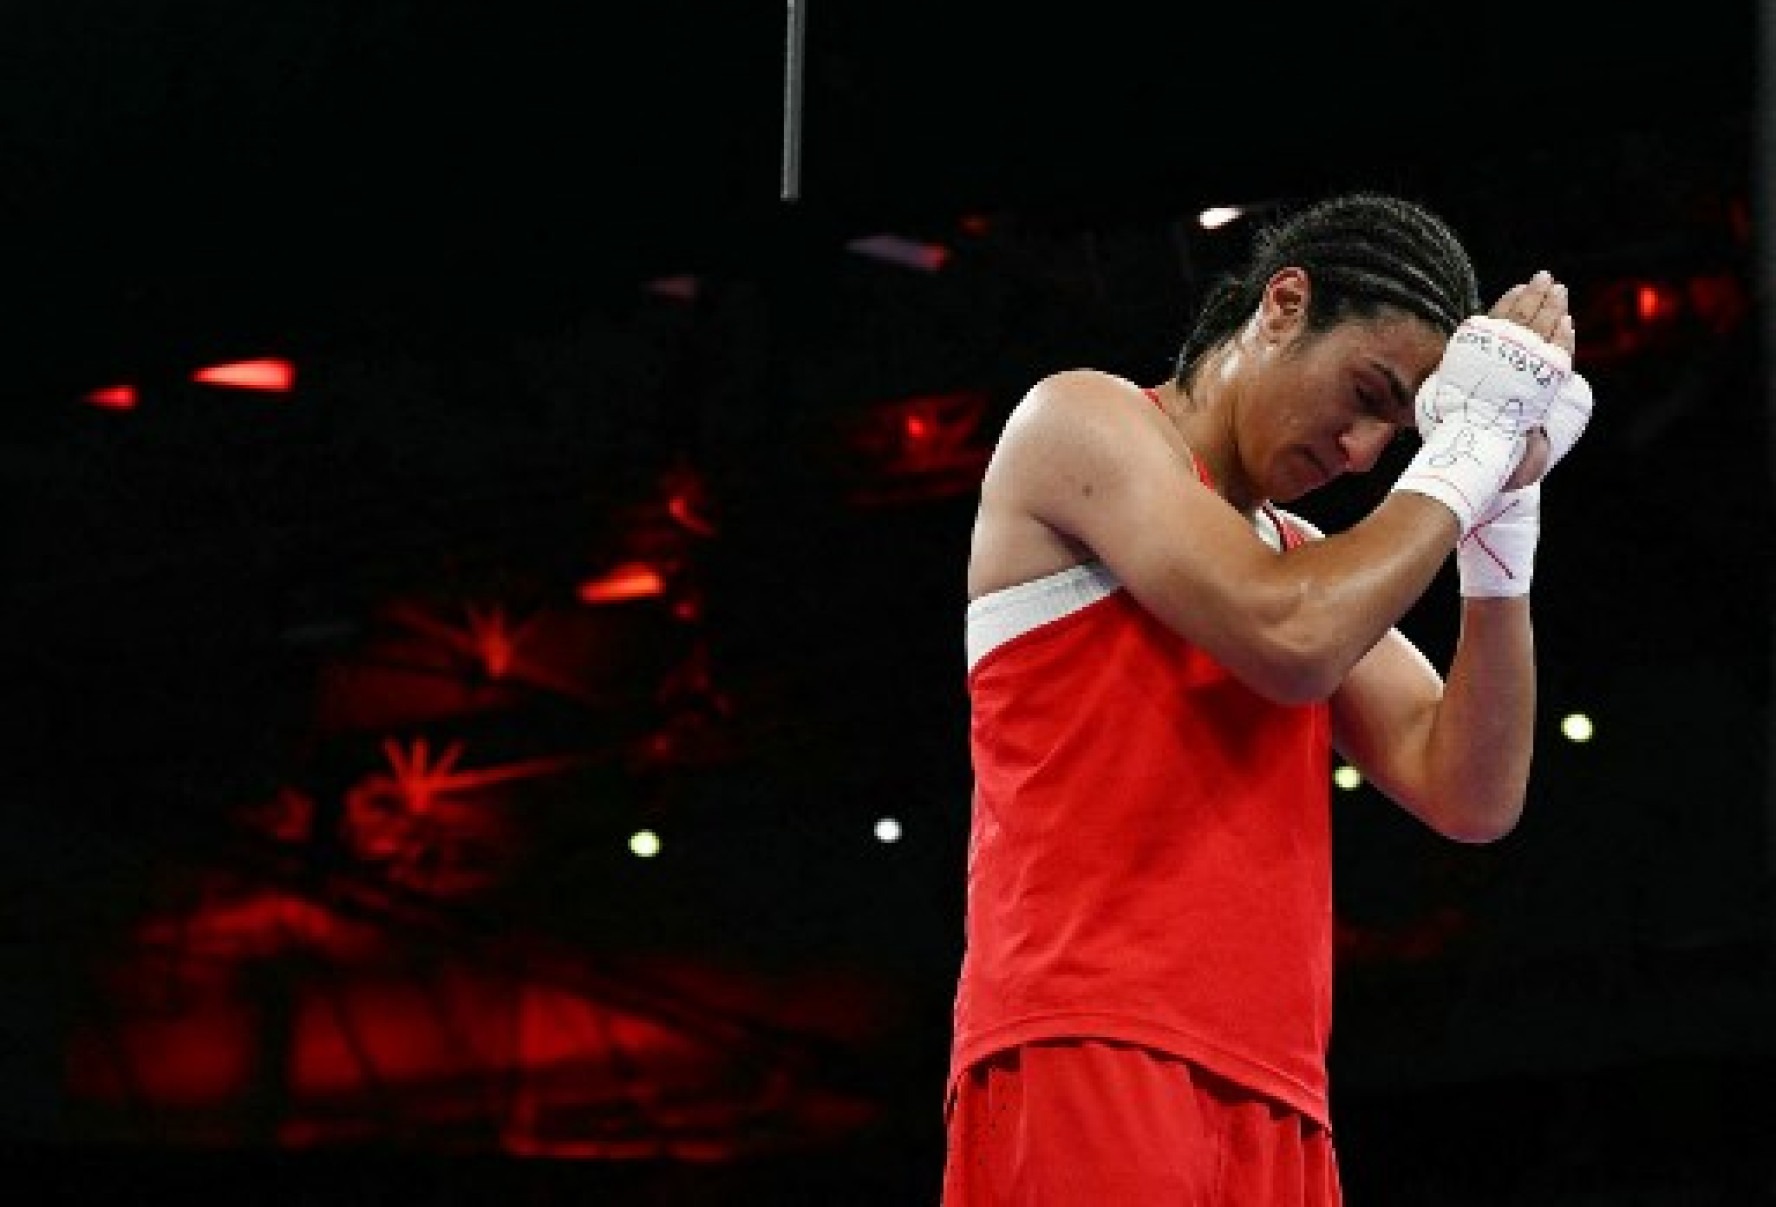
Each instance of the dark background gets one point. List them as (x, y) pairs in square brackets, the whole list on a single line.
[(552, 312)]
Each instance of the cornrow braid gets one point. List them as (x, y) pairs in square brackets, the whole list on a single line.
[(1363, 252)]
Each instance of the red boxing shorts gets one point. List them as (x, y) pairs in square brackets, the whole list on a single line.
[(1087, 1123)]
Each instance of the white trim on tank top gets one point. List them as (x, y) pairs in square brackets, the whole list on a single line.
[(998, 616)]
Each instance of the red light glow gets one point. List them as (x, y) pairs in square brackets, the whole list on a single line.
[(494, 641), (270, 375), (112, 398), (685, 507), (931, 433), (629, 581), (1653, 303), (418, 781)]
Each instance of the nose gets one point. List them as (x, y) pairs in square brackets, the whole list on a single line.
[(1363, 443)]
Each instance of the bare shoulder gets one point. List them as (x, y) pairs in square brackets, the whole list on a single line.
[(1071, 397), (1060, 479), (1071, 416)]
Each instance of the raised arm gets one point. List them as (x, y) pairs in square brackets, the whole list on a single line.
[(1457, 755), (1082, 455)]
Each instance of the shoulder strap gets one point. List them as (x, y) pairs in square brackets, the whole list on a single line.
[(1290, 534), (1202, 471)]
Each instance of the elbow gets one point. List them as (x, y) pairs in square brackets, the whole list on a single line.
[(1294, 672), (1481, 825), (1301, 650), (1298, 686)]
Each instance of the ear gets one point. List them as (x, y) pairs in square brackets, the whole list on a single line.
[(1283, 311)]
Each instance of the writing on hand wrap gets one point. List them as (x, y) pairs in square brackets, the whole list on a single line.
[(1519, 357), (1494, 374)]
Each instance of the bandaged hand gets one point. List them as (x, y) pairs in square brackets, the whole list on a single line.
[(1566, 421), (1497, 381), (1496, 374), (1496, 557)]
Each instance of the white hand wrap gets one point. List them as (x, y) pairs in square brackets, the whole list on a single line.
[(1497, 380), (1497, 556), (1462, 467), (1567, 418)]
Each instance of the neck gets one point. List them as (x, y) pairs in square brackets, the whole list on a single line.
[(1207, 428)]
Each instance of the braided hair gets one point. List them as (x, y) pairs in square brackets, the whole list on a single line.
[(1363, 252)]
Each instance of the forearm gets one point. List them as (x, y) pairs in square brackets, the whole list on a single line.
[(1479, 748), (1455, 751), (1496, 381), (1336, 597)]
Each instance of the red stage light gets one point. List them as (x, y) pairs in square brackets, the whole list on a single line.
[(1631, 316), (621, 584), (925, 447), (112, 398), (1654, 302), (270, 375)]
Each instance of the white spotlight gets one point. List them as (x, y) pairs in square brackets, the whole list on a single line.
[(1218, 216), (1577, 727)]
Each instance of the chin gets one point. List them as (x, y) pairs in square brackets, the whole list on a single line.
[(1295, 476), (1286, 488)]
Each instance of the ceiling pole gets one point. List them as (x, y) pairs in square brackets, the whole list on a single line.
[(1763, 184), (793, 59)]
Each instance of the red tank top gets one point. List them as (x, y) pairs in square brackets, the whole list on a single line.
[(1150, 849)]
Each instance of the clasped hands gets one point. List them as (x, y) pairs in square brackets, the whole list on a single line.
[(1500, 410)]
